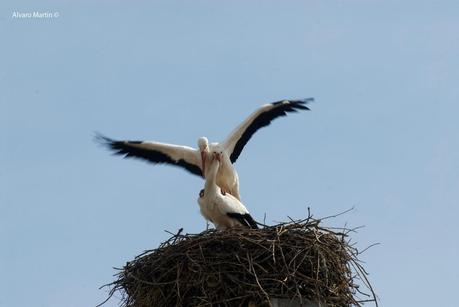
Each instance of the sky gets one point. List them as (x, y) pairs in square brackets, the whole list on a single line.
[(381, 136)]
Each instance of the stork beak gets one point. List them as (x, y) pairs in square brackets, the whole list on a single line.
[(203, 161)]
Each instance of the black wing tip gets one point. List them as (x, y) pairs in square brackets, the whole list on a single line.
[(294, 105), (102, 139), (245, 219), (307, 100), (110, 144), (301, 104), (253, 224)]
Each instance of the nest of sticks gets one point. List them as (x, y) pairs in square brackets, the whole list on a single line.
[(298, 260)]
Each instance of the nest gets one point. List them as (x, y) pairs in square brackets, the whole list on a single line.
[(298, 260)]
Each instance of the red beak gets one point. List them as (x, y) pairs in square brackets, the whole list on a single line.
[(203, 161)]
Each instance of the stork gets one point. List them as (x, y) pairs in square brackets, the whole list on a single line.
[(222, 209), (195, 160)]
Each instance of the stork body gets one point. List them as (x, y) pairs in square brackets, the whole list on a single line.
[(195, 160), (222, 209)]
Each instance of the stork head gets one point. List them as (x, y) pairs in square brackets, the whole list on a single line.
[(203, 144)]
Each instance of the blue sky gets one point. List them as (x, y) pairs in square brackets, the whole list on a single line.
[(381, 136)]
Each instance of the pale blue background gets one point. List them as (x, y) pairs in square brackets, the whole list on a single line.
[(382, 135)]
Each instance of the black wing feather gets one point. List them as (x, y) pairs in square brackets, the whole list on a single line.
[(125, 149), (245, 219), (265, 118)]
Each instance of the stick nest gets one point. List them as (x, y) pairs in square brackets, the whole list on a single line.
[(247, 267)]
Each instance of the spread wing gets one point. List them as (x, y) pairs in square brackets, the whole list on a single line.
[(260, 118), (155, 152)]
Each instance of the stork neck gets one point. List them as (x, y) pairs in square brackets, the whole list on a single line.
[(211, 179)]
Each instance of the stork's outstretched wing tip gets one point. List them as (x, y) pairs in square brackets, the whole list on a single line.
[(304, 101), (102, 139), (301, 104), (307, 100)]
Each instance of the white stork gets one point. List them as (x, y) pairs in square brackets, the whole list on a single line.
[(222, 209), (194, 160)]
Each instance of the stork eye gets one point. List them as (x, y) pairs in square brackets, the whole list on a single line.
[(201, 193)]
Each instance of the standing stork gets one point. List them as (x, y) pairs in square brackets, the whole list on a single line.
[(195, 160), (222, 209)]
